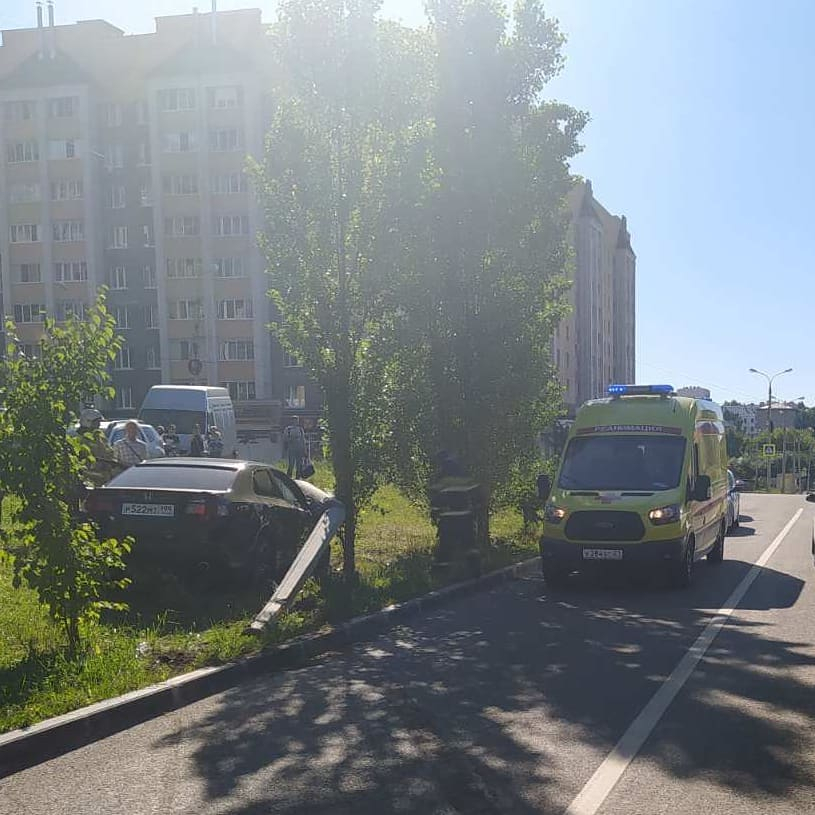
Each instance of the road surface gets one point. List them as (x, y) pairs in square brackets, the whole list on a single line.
[(508, 702)]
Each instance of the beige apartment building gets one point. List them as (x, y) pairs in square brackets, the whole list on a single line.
[(122, 164), (594, 345)]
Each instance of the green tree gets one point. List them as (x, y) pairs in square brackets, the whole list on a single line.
[(349, 125), (485, 278), (42, 465)]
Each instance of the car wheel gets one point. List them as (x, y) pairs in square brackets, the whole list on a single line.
[(555, 576), (682, 570), (716, 554)]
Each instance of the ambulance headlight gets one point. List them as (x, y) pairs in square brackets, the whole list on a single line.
[(665, 515), (553, 514)]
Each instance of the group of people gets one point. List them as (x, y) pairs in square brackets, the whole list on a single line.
[(199, 446)]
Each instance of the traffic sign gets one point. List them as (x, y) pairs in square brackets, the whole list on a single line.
[(768, 450)]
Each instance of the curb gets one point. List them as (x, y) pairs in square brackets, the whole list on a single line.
[(20, 749)]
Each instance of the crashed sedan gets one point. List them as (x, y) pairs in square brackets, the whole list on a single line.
[(209, 513)]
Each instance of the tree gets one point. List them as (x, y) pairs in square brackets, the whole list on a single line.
[(485, 279), (348, 121), (42, 465)]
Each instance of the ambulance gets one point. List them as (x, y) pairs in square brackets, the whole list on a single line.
[(642, 483)]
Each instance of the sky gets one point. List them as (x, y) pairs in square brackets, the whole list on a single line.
[(702, 133)]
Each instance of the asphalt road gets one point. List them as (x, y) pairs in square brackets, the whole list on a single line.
[(507, 702)]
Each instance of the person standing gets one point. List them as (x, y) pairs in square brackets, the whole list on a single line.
[(130, 449), (196, 442), (105, 464), (215, 443), (294, 446), (171, 441)]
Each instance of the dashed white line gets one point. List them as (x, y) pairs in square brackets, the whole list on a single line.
[(598, 787)]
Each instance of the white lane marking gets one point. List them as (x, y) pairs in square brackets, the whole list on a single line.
[(598, 787)]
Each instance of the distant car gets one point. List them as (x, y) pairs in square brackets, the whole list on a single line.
[(733, 502), (147, 433), (222, 514), (741, 485)]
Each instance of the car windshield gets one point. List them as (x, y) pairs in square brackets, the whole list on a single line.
[(182, 419), (181, 476), (626, 463)]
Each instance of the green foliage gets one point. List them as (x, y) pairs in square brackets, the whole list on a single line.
[(64, 561)]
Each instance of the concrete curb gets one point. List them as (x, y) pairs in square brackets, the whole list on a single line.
[(33, 745)]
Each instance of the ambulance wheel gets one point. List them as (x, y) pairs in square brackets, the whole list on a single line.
[(716, 554), (555, 576), (682, 570)]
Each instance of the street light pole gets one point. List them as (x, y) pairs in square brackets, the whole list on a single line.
[(769, 408)]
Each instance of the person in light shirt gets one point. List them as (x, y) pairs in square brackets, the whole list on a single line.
[(130, 449)]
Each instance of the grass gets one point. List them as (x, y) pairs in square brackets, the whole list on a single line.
[(180, 629)]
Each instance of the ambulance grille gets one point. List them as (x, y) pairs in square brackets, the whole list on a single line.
[(604, 525)]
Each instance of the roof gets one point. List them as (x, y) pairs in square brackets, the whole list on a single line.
[(635, 411)]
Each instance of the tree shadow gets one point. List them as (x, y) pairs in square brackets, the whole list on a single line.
[(741, 531), (474, 709)]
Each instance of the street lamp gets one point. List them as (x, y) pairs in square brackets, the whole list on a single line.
[(770, 393)]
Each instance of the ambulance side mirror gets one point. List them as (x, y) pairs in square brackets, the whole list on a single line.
[(703, 489), (544, 486)]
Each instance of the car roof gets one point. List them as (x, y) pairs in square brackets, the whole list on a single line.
[(222, 463)]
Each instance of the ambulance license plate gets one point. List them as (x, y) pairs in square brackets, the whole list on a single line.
[(602, 554)]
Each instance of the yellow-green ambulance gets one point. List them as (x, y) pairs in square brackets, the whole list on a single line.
[(642, 482)]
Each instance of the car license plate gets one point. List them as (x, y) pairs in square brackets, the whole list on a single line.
[(149, 510), (602, 554)]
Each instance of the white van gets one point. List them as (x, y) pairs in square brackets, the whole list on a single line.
[(188, 405)]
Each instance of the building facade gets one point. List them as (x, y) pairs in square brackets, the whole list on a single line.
[(594, 344), (123, 165)]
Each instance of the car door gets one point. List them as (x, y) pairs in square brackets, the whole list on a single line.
[(281, 518), (293, 495)]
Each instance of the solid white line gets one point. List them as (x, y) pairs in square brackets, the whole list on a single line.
[(598, 787)]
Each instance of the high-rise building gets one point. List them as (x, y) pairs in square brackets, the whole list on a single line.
[(123, 164), (594, 344)]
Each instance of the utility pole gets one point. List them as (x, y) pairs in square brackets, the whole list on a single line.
[(770, 411)]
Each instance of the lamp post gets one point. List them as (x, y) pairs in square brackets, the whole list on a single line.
[(769, 407)]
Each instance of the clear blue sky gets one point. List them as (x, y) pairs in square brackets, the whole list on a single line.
[(703, 134)]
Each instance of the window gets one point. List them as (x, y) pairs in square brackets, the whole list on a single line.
[(63, 106), (183, 267), (22, 110), (118, 278), (296, 396), (228, 183), (152, 358), (24, 193), (290, 360), (24, 233), (122, 361), (176, 99), (62, 149), (185, 310), (74, 271), (110, 114), (151, 315), (142, 112), (180, 184), (66, 190), (186, 349), (28, 273), (184, 142), (229, 96), (118, 237), (240, 391), (29, 313), (115, 198), (182, 226), (228, 225), (124, 397), (70, 308), (149, 277), (22, 151), (236, 350), (230, 267), (146, 193), (147, 235), (224, 141), (235, 309), (68, 231), (114, 156), (122, 316), (145, 156)]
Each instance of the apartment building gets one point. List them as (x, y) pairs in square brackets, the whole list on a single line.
[(123, 165), (594, 344)]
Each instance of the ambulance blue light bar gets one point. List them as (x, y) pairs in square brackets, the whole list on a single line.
[(640, 390)]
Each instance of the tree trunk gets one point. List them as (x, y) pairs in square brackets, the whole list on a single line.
[(339, 407)]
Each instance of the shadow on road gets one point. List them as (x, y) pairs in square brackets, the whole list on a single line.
[(479, 709), (741, 531)]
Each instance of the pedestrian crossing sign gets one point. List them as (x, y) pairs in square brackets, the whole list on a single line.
[(769, 450)]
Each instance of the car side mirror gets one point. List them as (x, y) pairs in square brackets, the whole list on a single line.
[(703, 488), (811, 496), (544, 486)]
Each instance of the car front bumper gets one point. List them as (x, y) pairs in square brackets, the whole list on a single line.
[(569, 554)]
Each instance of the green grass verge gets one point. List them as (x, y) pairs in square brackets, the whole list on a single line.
[(394, 556)]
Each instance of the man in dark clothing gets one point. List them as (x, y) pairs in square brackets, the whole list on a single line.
[(196, 442)]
